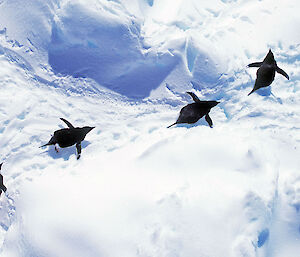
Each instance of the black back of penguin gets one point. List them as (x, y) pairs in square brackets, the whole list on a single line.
[(191, 113), (266, 73), (69, 136)]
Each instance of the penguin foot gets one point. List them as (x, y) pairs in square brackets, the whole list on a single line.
[(56, 149), (78, 156)]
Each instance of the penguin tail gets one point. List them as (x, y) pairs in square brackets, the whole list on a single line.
[(172, 125), (52, 141), (49, 143), (251, 92)]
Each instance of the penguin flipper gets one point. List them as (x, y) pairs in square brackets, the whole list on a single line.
[(67, 122), (255, 64), (195, 98), (78, 147), (282, 72), (209, 120)]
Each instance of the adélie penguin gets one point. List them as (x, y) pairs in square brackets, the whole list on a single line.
[(191, 113), (2, 187), (69, 136), (266, 73)]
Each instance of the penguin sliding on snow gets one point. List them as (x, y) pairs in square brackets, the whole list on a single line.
[(2, 187), (69, 136), (266, 72), (191, 113)]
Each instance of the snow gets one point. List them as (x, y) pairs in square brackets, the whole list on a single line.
[(140, 189)]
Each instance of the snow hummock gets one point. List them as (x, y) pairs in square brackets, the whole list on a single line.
[(140, 189)]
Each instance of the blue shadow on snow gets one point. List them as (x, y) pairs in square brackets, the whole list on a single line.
[(108, 53), (263, 237), (65, 153)]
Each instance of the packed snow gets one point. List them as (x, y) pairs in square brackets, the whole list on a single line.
[(140, 189)]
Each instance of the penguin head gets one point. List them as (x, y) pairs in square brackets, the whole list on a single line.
[(213, 103), (87, 129), (269, 59)]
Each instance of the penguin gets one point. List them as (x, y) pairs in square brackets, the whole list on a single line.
[(191, 113), (2, 187), (266, 73), (69, 136)]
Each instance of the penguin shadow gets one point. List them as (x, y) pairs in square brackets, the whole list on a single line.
[(201, 122), (65, 153), (267, 93), (264, 91)]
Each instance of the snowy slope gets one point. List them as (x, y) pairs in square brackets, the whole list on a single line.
[(140, 189)]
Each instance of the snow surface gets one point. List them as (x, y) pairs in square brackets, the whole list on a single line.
[(140, 189)]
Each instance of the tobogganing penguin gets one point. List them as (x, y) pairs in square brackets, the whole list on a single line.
[(266, 73), (69, 136), (191, 113)]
